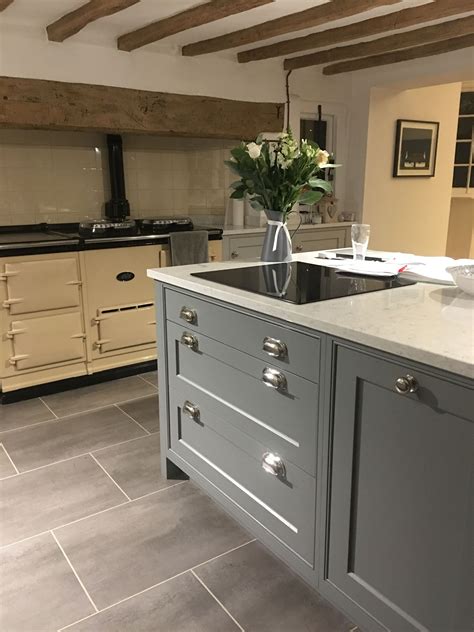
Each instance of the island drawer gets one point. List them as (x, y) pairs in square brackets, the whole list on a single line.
[(241, 382), (286, 348), (236, 420), (284, 503)]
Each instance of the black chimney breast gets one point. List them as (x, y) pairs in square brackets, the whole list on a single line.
[(118, 207)]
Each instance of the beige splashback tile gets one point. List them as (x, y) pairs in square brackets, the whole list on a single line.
[(29, 178), (154, 179), (216, 199), (155, 203), (63, 176), (180, 202), (27, 156), (74, 158)]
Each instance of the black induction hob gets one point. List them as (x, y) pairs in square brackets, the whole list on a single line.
[(298, 282)]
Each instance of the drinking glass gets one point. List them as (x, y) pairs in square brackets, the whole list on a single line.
[(360, 234)]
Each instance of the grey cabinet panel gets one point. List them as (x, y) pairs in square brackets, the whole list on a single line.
[(243, 247), (320, 239), (218, 410), (247, 333), (232, 461), (400, 521), (235, 378)]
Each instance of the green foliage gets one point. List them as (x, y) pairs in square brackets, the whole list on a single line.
[(277, 174)]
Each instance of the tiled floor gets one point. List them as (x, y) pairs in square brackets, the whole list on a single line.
[(93, 539)]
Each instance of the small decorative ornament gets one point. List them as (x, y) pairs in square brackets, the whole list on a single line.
[(276, 175)]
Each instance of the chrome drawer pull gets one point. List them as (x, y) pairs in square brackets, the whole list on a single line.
[(189, 315), (273, 464), (190, 341), (275, 348), (274, 379), (191, 410), (406, 384)]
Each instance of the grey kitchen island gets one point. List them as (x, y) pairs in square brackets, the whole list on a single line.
[(356, 466)]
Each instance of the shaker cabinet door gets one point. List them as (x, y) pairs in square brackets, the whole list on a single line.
[(400, 496), (321, 239)]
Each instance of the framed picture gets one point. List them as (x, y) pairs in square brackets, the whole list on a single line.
[(415, 149)]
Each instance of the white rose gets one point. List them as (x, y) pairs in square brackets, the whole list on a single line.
[(322, 158), (254, 150)]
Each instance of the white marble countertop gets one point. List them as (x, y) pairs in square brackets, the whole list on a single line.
[(428, 323), (249, 230)]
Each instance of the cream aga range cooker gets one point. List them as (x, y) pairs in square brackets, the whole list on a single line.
[(76, 304)]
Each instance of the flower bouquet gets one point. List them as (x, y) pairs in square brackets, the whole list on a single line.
[(275, 175)]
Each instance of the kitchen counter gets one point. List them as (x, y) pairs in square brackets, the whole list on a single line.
[(427, 323), (43, 239), (250, 230)]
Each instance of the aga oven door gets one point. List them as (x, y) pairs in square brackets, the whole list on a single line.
[(119, 328), (41, 284), (47, 340)]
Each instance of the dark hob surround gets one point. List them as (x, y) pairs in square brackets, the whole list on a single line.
[(299, 282), (93, 235)]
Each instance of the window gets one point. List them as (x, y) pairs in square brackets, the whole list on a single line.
[(463, 175)]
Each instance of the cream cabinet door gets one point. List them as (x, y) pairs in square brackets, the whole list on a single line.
[(35, 286), (125, 327), (46, 340)]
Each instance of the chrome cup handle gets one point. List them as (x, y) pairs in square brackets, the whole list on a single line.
[(275, 348), (191, 410), (189, 341), (189, 315), (273, 464), (406, 384), (274, 379)]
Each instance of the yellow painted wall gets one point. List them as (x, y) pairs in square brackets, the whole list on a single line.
[(460, 243), (409, 214)]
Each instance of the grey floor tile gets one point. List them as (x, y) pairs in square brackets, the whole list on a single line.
[(145, 411), (151, 376), (96, 395), (54, 495), (264, 596), (135, 465), (38, 590), (57, 440), (125, 550), (6, 468), (19, 414), (179, 605)]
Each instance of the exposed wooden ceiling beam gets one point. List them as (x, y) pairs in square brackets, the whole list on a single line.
[(435, 33), (41, 104), (4, 4), (427, 50), (315, 16), (196, 16), (374, 26), (76, 20)]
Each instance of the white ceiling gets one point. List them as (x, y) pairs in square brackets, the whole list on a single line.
[(37, 14)]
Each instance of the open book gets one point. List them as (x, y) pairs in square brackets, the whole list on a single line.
[(414, 267)]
